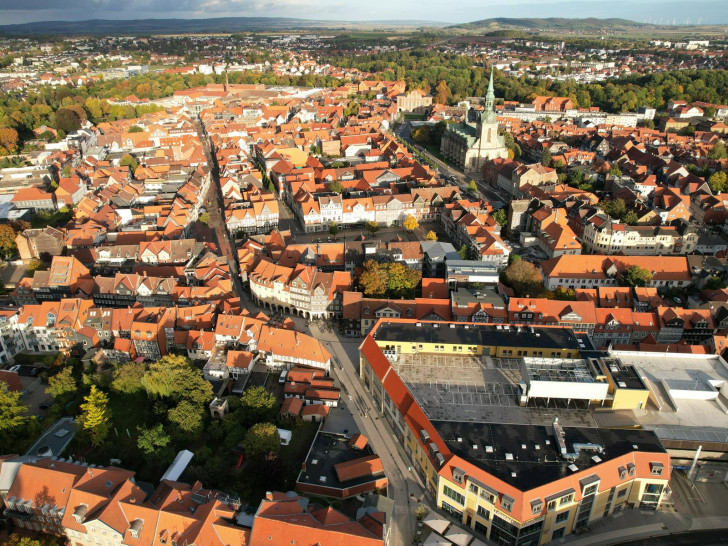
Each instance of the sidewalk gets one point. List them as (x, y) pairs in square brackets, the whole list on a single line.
[(630, 525)]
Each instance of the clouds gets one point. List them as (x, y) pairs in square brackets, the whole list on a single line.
[(455, 11)]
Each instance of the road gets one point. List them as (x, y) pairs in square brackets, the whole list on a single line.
[(712, 537), (487, 192), (405, 487), (214, 206)]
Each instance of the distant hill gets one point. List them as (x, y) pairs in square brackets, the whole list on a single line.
[(553, 23), (187, 26)]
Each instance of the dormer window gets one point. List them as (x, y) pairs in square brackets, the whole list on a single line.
[(458, 475), (536, 506), (507, 503), (631, 469), (656, 469)]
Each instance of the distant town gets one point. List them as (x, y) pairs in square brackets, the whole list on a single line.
[(429, 286)]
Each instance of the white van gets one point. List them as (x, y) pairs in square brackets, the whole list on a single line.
[(282, 378)]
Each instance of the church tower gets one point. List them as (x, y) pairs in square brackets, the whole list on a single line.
[(488, 122)]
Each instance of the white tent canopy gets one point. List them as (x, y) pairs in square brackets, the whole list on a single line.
[(436, 540), (436, 523), (459, 537)]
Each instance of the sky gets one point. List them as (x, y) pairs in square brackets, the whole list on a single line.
[(453, 11)]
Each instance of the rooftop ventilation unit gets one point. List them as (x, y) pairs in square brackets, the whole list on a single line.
[(573, 468), (509, 456), (489, 449)]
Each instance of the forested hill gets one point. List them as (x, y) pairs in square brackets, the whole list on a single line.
[(553, 23), (159, 26)]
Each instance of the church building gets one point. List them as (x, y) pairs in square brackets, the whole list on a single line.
[(468, 147)]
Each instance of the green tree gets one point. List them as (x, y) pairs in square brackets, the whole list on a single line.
[(257, 405), (615, 208), (12, 412), (62, 384), (431, 236), (187, 416), (500, 216), (372, 226), (152, 439), (546, 157), (565, 294), (336, 186), (128, 160), (421, 134), (523, 277), (333, 228), (261, 440), (67, 120), (463, 252), (127, 378), (410, 223), (631, 218), (635, 275), (401, 280), (95, 416), (614, 170), (473, 187), (718, 151), (175, 378), (136, 129), (718, 181)]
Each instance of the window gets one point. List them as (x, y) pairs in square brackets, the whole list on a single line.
[(483, 512), (454, 495), (566, 500), (507, 503), (563, 516), (558, 533), (590, 490), (656, 469), (551, 505), (473, 488), (622, 493)]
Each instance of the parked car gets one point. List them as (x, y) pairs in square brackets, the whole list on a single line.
[(282, 378), (45, 405)]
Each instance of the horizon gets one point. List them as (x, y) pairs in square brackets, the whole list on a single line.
[(702, 12)]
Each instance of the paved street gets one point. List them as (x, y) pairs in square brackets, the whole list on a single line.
[(405, 487)]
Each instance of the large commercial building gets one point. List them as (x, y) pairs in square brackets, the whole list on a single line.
[(516, 469)]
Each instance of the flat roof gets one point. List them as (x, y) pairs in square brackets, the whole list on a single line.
[(328, 450), (626, 377), (54, 439), (573, 370), (532, 453), (475, 389), (465, 296), (475, 334)]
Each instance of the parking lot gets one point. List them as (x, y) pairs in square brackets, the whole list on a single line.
[(471, 388)]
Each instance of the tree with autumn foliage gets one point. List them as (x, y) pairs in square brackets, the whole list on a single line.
[(410, 223), (523, 277), (8, 247), (442, 93), (95, 416), (393, 280), (431, 236), (8, 141)]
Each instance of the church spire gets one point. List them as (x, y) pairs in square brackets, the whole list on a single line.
[(490, 95)]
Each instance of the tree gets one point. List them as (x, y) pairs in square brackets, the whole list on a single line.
[(463, 252), (546, 157), (136, 129), (565, 294), (8, 141), (635, 275), (205, 218), (718, 151), (615, 208), (718, 181), (410, 223), (8, 247), (336, 186), (128, 160), (442, 93), (175, 378), (615, 171), (187, 416), (260, 440), (96, 416), (257, 405), (12, 411), (500, 216), (373, 280), (631, 218), (62, 384), (431, 236), (333, 228), (421, 134), (152, 439), (523, 277), (472, 187), (67, 120), (401, 280), (127, 378), (372, 226)]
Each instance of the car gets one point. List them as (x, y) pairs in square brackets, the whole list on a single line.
[(318, 240), (14, 368), (45, 405), (678, 300), (34, 372), (282, 378)]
